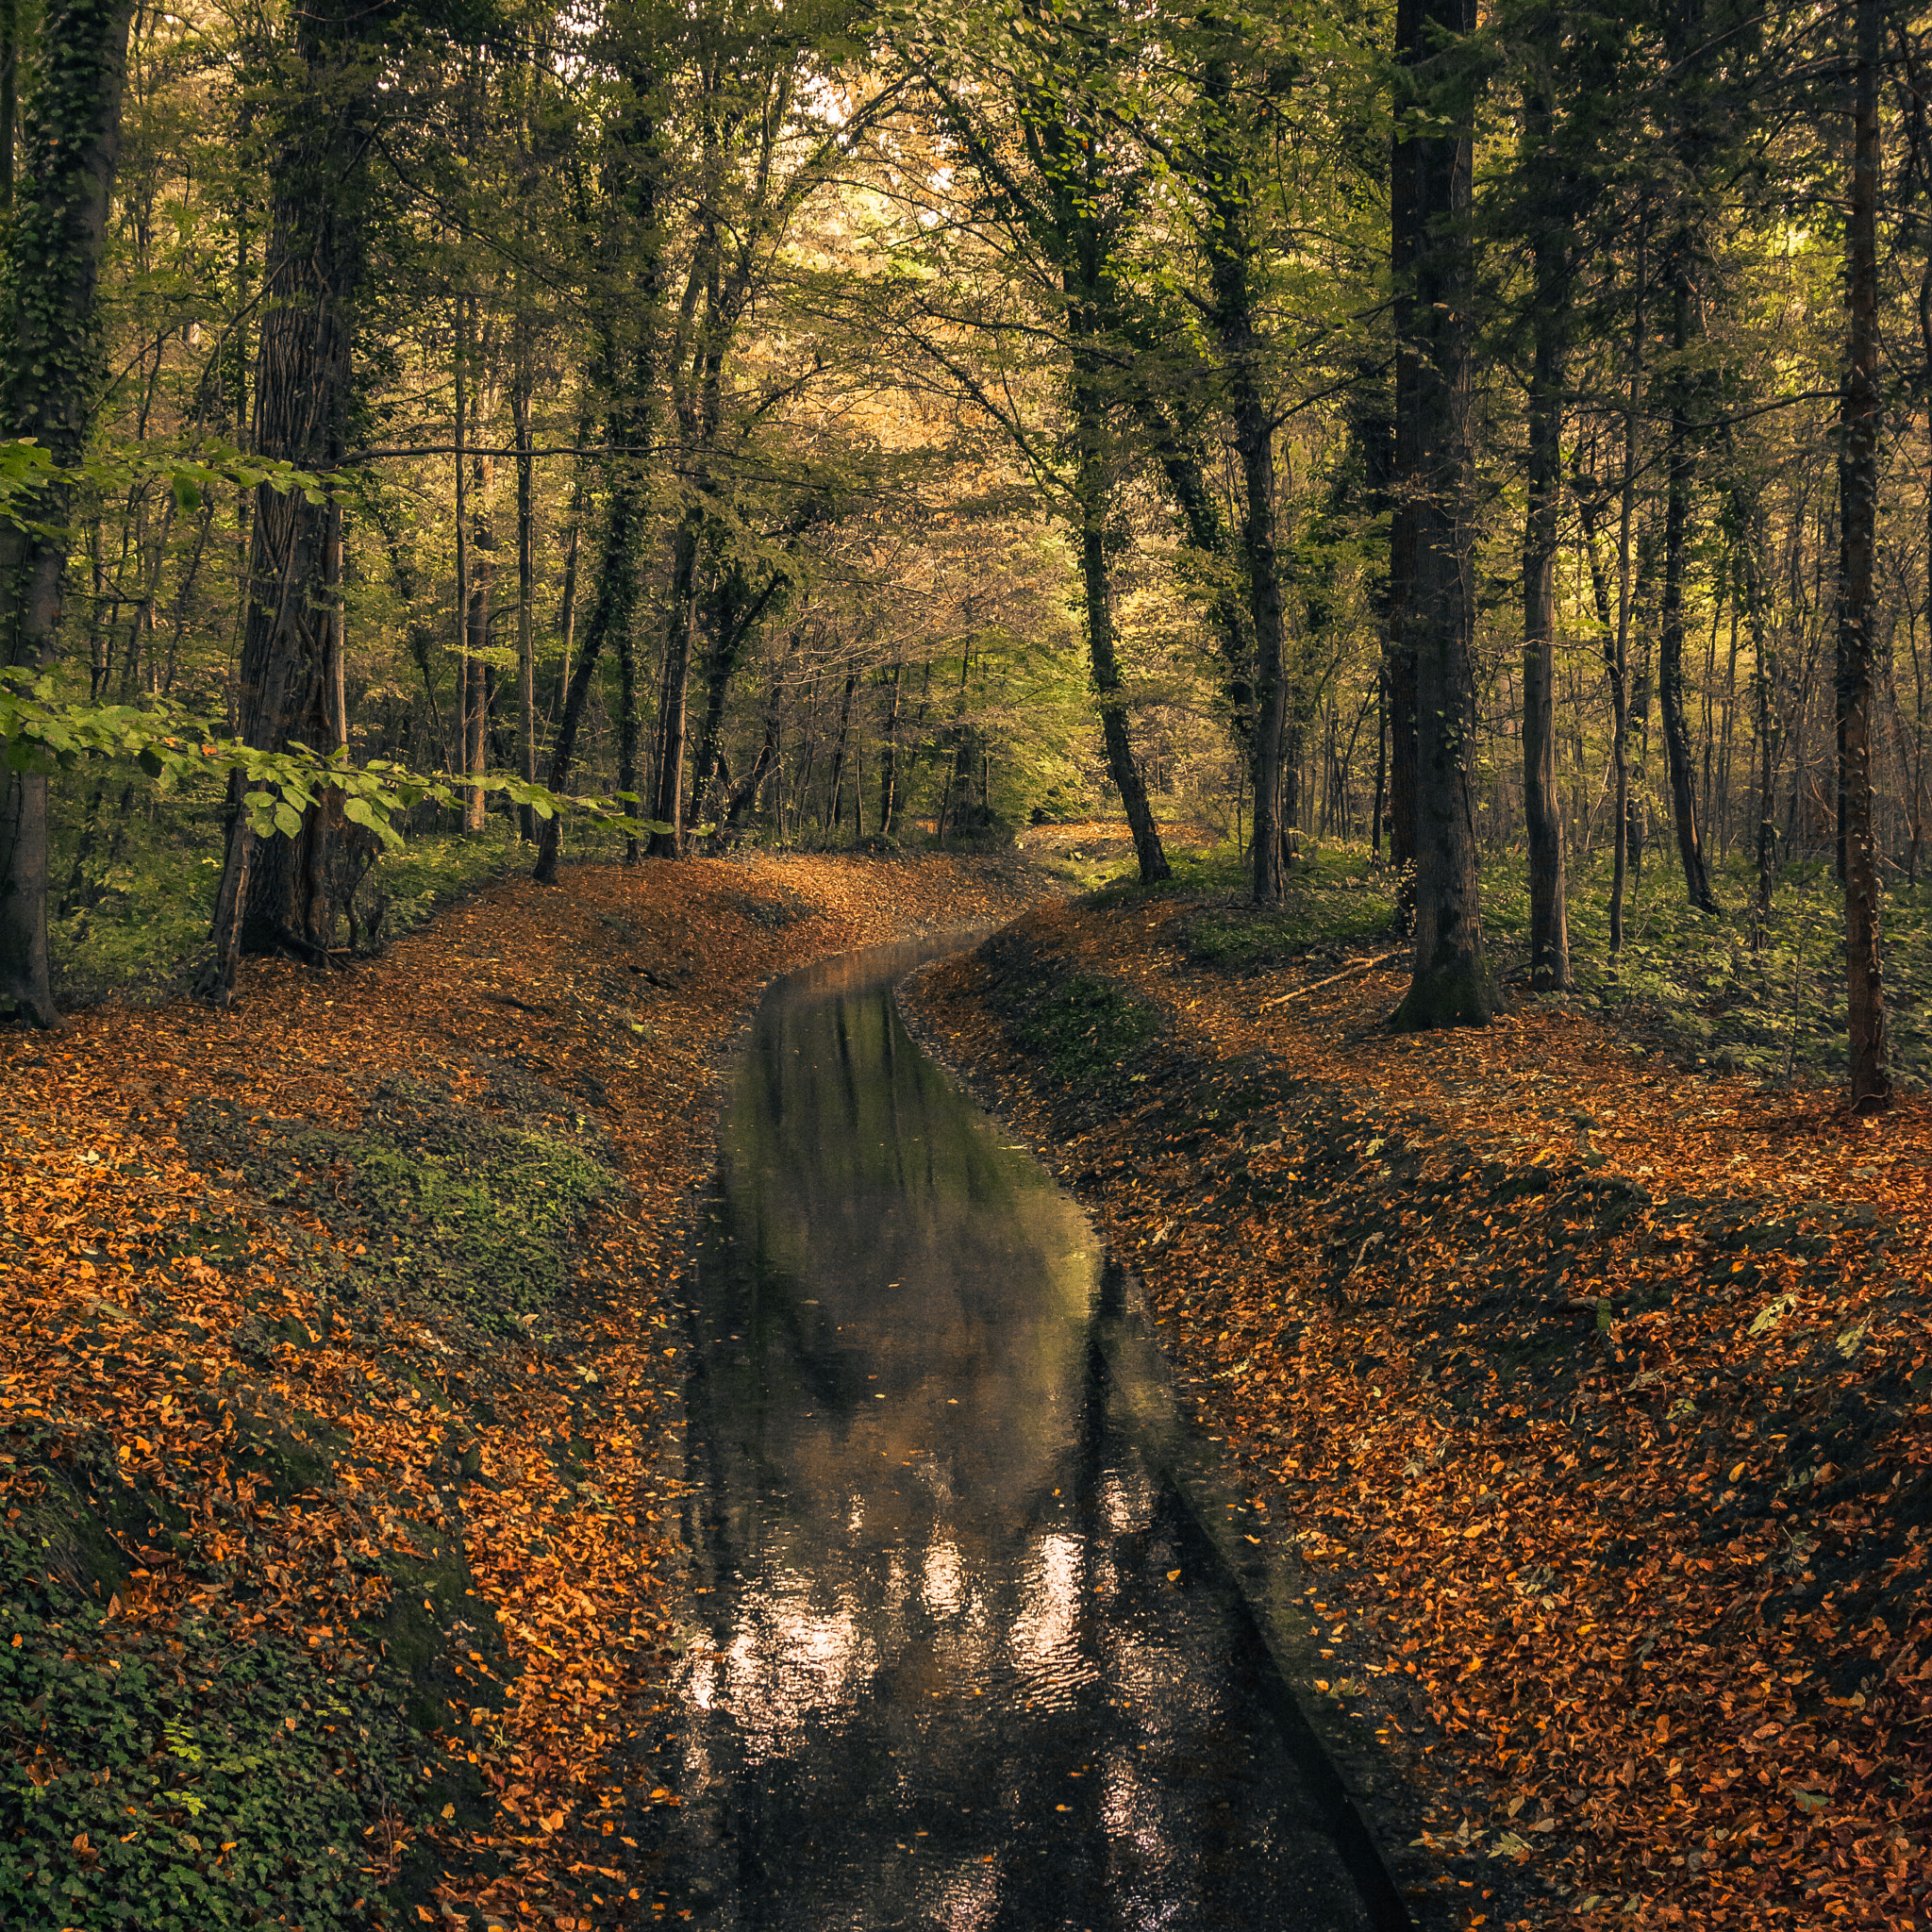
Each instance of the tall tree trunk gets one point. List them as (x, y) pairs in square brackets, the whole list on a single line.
[(1082, 285), (270, 899), (1232, 264), (1101, 656), (48, 383), (526, 585), (1542, 809), (628, 730), (628, 374), (1452, 984), (9, 96), (667, 798), (477, 637), (888, 761), (836, 797), (1680, 466), (1857, 534), (1408, 225), (1763, 676), (459, 388)]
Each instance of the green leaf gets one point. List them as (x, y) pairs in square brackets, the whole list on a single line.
[(288, 819)]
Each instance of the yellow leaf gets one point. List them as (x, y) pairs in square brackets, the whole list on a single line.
[(1174, 1575), (1737, 1471)]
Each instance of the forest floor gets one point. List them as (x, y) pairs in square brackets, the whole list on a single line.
[(341, 1438), (1589, 1387)]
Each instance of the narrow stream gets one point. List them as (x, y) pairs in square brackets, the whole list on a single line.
[(970, 1664)]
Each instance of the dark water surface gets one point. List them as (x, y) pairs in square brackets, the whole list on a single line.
[(970, 1663)]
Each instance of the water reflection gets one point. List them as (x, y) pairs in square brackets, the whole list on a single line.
[(971, 1665)]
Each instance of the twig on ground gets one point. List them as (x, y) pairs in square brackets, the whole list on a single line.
[(1360, 966)]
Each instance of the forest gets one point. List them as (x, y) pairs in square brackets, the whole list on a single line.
[(1382, 549), (1492, 449)]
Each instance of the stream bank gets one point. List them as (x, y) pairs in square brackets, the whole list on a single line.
[(343, 1441), (1595, 1464)]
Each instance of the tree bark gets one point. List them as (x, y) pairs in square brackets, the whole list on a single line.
[(1542, 809), (889, 761), (1451, 984), (667, 797), (71, 148), (1231, 271), (303, 386), (1857, 540), (629, 345), (526, 586), (1681, 464)]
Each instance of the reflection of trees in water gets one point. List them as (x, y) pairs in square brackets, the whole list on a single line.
[(947, 1611)]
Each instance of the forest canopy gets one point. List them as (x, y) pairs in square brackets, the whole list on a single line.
[(1495, 443)]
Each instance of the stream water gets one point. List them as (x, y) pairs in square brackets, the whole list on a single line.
[(970, 1663)]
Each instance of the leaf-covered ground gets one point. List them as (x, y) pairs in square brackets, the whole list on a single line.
[(1592, 1392), (340, 1451)]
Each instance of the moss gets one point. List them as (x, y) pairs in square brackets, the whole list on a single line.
[(1462, 994), (448, 1202), (1086, 1028)]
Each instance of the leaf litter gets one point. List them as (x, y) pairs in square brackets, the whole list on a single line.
[(345, 1330), (1591, 1393)]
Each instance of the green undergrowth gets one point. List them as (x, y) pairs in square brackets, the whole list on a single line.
[(134, 871), (179, 1781), (1334, 899), (1086, 1030), (448, 1202), (1696, 988), (212, 1773), (206, 1774)]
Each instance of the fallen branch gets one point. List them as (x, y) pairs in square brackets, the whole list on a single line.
[(1349, 973)]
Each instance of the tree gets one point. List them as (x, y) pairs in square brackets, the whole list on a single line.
[(276, 895), (54, 245), (1062, 215), (1860, 417), (1450, 983)]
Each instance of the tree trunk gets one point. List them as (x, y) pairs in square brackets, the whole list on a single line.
[(667, 798), (836, 800), (1082, 285), (1542, 810), (526, 589), (627, 359), (1857, 534), (303, 388), (1231, 252), (1681, 462), (1764, 833), (1451, 984), (888, 761), (1408, 225), (51, 375), (476, 639)]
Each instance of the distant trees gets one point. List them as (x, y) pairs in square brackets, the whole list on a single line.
[(1417, 439)]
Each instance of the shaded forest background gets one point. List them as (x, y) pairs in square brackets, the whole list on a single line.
[(1338, 435)]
